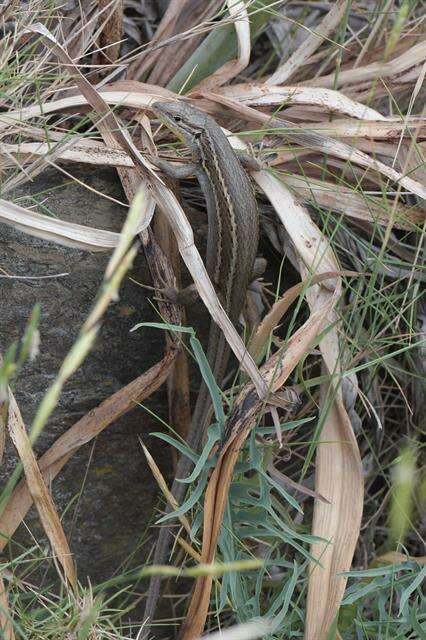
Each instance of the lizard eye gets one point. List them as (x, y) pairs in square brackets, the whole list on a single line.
[(177, 118)]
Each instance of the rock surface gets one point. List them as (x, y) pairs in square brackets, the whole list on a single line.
[(106, 488)]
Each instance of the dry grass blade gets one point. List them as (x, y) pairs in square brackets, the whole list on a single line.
[(245, 412), (311, 245), (88, 154), (187, 29), (301, 488), (139, 67), (82, 432), (409, 59), (339, 478), (8, 9), (115, 137), (238, 12), (180, 30), (68, 234), (164, 488), (320, 142), (178, 391), (257, 95), (310, 45), (395, 557), (338, 469), (280, 307), (112, 31), (146, 95), (40, 493), (389, 129), (347, 202)]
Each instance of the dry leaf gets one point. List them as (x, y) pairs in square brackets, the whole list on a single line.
[(245, 412), (371, 72), (327, 25), (40, 493), (82, 432), (238, 12), (257, 95), (338, 466), (164, 488), (280, 307)]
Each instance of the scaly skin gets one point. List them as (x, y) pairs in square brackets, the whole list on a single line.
[(231, 250)]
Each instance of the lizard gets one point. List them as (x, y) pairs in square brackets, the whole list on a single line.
[(232, 241)]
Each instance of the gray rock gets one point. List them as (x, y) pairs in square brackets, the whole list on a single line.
[(107, 485)]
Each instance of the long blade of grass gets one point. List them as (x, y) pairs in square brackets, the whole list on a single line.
[(238, 12), (338, 469), (244, 415), (410, 58), (306, 49), (40, 493), (61, 232), (266, 95)]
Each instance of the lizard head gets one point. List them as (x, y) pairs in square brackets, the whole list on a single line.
[(185, 121)]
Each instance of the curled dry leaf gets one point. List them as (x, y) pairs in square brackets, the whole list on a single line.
[(87, 153), (258, 95), (280, 307), (62, 232), (339, 478), (238, 12)]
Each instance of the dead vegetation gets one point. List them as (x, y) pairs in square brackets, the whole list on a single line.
[(328, 96)]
